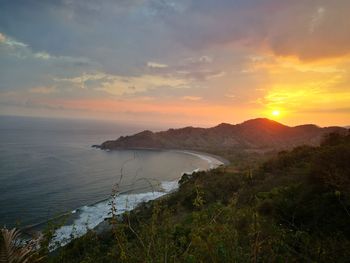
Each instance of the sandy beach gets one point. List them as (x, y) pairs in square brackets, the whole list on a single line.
[(94, 217)]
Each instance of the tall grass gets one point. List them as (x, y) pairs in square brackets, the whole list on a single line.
[(14, 250)]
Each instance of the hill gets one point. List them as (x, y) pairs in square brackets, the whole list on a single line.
[(294, 207), (256, 134)]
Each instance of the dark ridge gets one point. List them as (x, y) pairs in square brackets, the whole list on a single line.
[(260, 133)]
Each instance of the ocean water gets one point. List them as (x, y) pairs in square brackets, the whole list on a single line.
[(48, 168)]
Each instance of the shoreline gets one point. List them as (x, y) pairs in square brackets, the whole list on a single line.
[(64, 232), (104, 226), (186, 151), (218, 158)]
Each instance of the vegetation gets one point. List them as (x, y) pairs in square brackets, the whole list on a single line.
[(295, 207), (256, 134), (13, 250)]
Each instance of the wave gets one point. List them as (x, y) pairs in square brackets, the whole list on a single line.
[(89, 217)]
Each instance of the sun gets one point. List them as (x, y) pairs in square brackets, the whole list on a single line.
[(276, 113)]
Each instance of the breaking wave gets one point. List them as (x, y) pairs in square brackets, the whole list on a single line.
[(89, 217)]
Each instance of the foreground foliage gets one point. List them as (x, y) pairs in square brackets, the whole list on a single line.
[(14, 250), (293, 208)]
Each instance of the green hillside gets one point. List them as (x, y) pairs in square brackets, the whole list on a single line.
[(295, 207)]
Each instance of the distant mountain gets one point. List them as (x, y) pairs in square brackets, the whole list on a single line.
[(258, 133)]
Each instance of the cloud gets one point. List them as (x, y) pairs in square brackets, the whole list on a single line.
[(275, 64), (305, 99), (80, 81), (193, 69), (176, 51), (306, 29), (156, 65), (15, 48), (231, 96), (345, 110), (309, 30), (201, 74), (119, 85), (320, 32), (43, 90), (29, 75), (42, 55), (10, 42), (123, 85), (199, 60), (317, 19), (192, 98), (2, 38)]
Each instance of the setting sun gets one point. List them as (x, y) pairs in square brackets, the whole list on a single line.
[(276, 113)]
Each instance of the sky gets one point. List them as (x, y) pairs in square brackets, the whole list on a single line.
[(177, 63)]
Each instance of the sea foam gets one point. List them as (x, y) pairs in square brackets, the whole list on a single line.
[(90, 216)]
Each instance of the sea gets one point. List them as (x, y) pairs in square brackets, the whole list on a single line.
[(49, 172)]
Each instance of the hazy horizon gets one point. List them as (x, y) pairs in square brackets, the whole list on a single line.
[(154, 126)]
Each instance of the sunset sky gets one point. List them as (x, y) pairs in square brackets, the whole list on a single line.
[(181, 62)]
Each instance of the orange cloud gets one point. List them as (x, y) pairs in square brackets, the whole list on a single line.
[(309, 90)]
